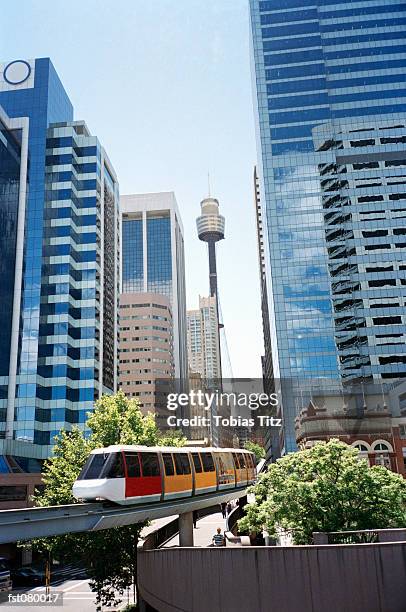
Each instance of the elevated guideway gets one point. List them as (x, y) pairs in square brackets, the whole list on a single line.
[(29, 523)]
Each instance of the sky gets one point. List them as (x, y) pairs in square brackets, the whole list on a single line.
[(166, 87)]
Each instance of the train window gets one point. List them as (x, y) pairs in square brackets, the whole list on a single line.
[(185, 462), (114, 467), (242, 460), (207, 460), (181, 463), (236, 461), (178, 464), (93, 466), (150, 465), (197, 463), (168, 463), (221, 464), (133, 465), (228, 461)]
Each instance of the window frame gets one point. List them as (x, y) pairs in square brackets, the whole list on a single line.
[(196, 456), (168, 456), (207, 455), (132, 454), (145, 456)]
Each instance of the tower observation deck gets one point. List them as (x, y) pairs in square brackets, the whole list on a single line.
[(210, 229)]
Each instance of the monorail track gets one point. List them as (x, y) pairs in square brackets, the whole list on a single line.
[(30, 523)]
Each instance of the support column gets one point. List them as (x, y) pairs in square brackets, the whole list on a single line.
[(26, 555), (186, 529)]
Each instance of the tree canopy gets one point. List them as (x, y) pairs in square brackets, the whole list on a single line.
[(255, 448), (109, 556), (325, 488)]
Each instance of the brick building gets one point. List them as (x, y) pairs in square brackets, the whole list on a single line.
[(366, 422)]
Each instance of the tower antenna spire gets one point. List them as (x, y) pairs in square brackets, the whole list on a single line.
[(208, 184)]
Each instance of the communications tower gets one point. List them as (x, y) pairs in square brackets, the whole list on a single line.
[(210, 229)]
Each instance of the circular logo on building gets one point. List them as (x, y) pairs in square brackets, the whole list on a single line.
[(17, 72)]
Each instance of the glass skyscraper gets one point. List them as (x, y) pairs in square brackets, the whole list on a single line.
[(63, 289), (329, 84), (153, 259), (12, 187)]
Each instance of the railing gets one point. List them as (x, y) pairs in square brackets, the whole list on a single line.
[(361, 536), (353, 537)]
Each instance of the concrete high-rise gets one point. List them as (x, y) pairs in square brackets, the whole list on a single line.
[(146, 349), (203, 345), (153, 261), (330, 105), (203, 340), (62, 285)]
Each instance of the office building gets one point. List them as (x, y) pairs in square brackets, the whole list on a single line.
[(330, 105), (203, 339), (61, 292), (146, 349), (205, 372), (269, 436), (153, 262), (266, 359)]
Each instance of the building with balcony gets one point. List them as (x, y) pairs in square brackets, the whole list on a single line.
[(330, 106)]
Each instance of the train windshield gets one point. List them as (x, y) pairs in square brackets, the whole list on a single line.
[(94, 466)]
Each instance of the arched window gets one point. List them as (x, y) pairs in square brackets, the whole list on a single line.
[(363, 448), (381, 446)]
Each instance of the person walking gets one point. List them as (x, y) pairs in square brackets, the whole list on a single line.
[(223, 506)]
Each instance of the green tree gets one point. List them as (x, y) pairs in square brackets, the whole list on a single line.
[(325, 488), (109, 556), (119, 420), (255, 448), (61, 470), (171, 438)]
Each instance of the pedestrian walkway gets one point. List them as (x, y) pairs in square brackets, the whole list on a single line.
[(205, 529), (157, 524)]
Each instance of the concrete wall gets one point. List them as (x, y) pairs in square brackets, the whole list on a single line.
[(350, 578)]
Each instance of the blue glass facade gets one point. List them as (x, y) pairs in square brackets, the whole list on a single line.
[(133, 258), (329, 81), (10, 162), (44, 103), (153, 259), (159, 251), (69, 287), (158, 254)]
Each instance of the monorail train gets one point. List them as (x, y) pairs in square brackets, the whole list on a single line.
[(142, 474)]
